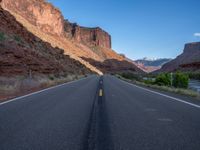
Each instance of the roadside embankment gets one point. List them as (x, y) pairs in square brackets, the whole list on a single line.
[(186, 92), (11, 87)]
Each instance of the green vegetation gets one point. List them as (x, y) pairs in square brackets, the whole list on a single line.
[(2, 36), (17, 39), (51, 77), (193, 75), (131, 76), (180, 80), (177, 80), (163, 79), (176, 83), (149, 82)]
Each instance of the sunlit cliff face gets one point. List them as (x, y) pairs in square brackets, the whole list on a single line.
[(41, 14)]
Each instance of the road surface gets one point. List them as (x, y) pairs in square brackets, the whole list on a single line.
[(99, 113)]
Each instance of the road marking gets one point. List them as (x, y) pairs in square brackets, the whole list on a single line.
[(150, 110), (164, 95), (100, 92), (17, 98), (165, 120)]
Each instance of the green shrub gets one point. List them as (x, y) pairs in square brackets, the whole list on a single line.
[(2, 36), (131, 76), (180, 80), (149, 82), (51, 77), (17, 38), (163, 79), (195, 76)]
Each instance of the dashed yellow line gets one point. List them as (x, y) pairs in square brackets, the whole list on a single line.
[(100, 92)]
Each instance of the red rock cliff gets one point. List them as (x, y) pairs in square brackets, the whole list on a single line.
[(47, 23), (21, 51), (88, 36), (190, 59), (39, 13)]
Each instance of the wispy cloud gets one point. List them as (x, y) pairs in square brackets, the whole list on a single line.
[(197, 34)]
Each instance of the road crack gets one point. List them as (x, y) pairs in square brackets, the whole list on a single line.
[(98, 130)]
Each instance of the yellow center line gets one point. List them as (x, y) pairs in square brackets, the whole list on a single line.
[(100, 92)]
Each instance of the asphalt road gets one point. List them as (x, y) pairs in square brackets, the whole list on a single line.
[(99, 113)]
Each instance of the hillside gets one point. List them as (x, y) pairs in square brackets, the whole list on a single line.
[(47, 23), (22, 52), (115, 66), (189, 60)]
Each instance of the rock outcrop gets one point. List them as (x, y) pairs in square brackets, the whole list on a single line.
[(115, 66), (43, 28), (47, 23), (188, 61), (88, 36), (22, 52), (39, 13)]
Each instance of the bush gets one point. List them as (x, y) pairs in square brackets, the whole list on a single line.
[(163, 79), (151, 82), (51, 77), (180, 80), (195, 76), (18, 39), (131, 76), (2, 36)]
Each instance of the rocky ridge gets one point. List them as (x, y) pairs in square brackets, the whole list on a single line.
[(189, 60), (39, 13), (22, 52), (54, 38), (47, 23), (88, 36)]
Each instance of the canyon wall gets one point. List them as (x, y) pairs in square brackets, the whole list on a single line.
[(88, 36), (49, 20), (22, 52), (188, 61), (47, 23), (39, 13)]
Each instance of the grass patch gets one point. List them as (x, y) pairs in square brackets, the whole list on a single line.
[(9, 85), (20, 85)]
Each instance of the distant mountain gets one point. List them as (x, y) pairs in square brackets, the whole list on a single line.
[(189, 60), (153, 62), (150, 65)]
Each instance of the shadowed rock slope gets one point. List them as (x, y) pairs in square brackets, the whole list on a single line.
[(22, 52), (46, 22), (115, 66), (189, 60)]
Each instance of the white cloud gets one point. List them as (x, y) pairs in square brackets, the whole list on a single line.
[(197, 34)]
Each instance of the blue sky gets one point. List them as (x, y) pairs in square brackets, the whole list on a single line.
[(139, 28)]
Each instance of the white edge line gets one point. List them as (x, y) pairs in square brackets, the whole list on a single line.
[(164, 95), (53, 87)]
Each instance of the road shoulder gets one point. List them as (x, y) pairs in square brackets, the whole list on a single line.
[(185, 98)]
